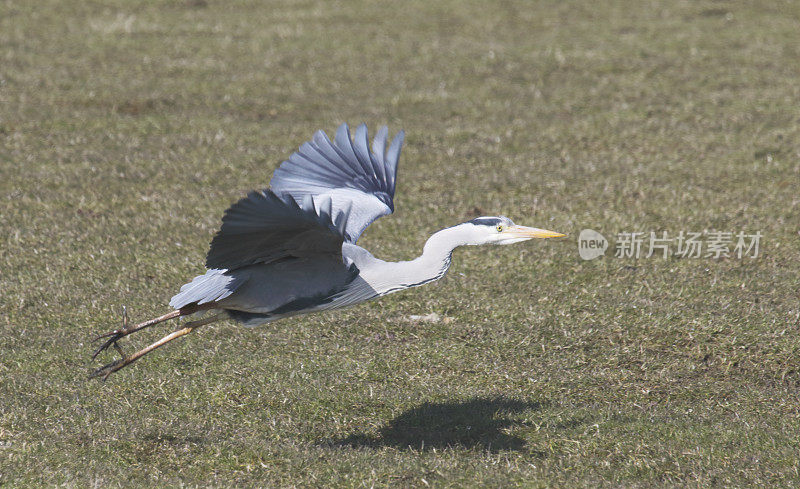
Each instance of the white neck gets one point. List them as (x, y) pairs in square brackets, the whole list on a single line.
[(436, 254), (386, 277)]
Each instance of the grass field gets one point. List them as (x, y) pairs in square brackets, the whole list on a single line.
[(127, 128)]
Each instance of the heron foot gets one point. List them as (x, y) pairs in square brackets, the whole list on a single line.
[(113, 336), (112, 367), (108, 369), (126, 329)]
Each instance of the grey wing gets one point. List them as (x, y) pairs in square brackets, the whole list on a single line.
[(263, 228), (347, 172), (259, 229)]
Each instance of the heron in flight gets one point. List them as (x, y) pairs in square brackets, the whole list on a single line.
[(291, 249)]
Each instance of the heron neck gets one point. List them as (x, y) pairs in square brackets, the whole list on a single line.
[(387, 277), (442, 243), (438, 250)]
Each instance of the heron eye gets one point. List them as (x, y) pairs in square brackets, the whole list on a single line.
[(499, 228)]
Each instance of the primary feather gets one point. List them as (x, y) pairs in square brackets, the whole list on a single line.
[(347, 172)]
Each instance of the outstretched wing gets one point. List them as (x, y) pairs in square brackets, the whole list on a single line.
[(264, 227), (346, 171)]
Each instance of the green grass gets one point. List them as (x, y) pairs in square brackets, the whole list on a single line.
[(127, 128)]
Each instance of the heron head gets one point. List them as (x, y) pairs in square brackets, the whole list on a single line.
[(502, 231)]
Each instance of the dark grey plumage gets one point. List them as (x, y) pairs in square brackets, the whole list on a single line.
[(322, 197), (264, 227)]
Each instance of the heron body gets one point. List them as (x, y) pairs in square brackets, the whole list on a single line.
[(338, 282), (292, 248)]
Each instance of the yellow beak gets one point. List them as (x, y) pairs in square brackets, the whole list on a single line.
[(526, 232)]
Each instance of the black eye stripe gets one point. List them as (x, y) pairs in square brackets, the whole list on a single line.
[(486, 221), (492, 221)]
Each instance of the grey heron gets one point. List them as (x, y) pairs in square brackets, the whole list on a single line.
[(291, 248)]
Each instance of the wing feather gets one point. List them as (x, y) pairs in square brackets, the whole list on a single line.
[(347, 172), (378, 150), (333, 155), (344, 145), (391, 158), (264, 227)]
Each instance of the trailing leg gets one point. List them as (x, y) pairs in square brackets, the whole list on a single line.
[(126, 329), (112, 367)]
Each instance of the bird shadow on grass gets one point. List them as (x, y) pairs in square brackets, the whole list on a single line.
[(476, 423)]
